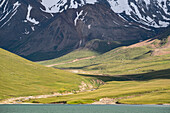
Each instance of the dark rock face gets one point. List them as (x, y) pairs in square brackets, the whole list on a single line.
[(27, 30)]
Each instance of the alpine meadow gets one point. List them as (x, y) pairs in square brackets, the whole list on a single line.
[(83, 56)]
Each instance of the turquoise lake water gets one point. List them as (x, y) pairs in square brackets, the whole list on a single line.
[(84, 109)]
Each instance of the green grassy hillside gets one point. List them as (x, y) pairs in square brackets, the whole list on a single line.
[(148, 88), (20, 77), (77, 54), (137, 74), (138, 58), (102, 46), (96, 47)]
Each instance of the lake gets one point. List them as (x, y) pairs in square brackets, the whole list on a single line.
[(45, 108)]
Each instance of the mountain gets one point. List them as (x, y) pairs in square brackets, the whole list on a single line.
[(20, 77), (40, 30), (153, 13)]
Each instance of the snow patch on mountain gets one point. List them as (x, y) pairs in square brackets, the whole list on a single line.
[(5, 7), (80, 16), (32, 27), (144, 27), (118, 6), (56, 6), (91, 1), (138, 9), (77, 17), (26, 32), (8, 13), (32, 20), (73, 4), (89, 26), (2, 2), (9, 19)]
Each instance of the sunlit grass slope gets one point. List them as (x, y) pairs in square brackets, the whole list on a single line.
[(126, 60), (96, 47), (132, 75), (148, 88), (77, 54), (141, 81), (122, 61), (20, 77)]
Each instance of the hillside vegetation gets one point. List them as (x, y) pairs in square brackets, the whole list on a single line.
[(20, 77), (95, 47), (121, 89), (147, 56), (77, 54), (132, 75)]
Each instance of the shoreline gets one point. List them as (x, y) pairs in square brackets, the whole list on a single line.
[(102, 101), (88, 104)]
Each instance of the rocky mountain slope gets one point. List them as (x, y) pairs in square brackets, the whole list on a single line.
[(43, 29)]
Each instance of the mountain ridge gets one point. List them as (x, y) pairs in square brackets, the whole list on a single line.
[(32, 33)]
